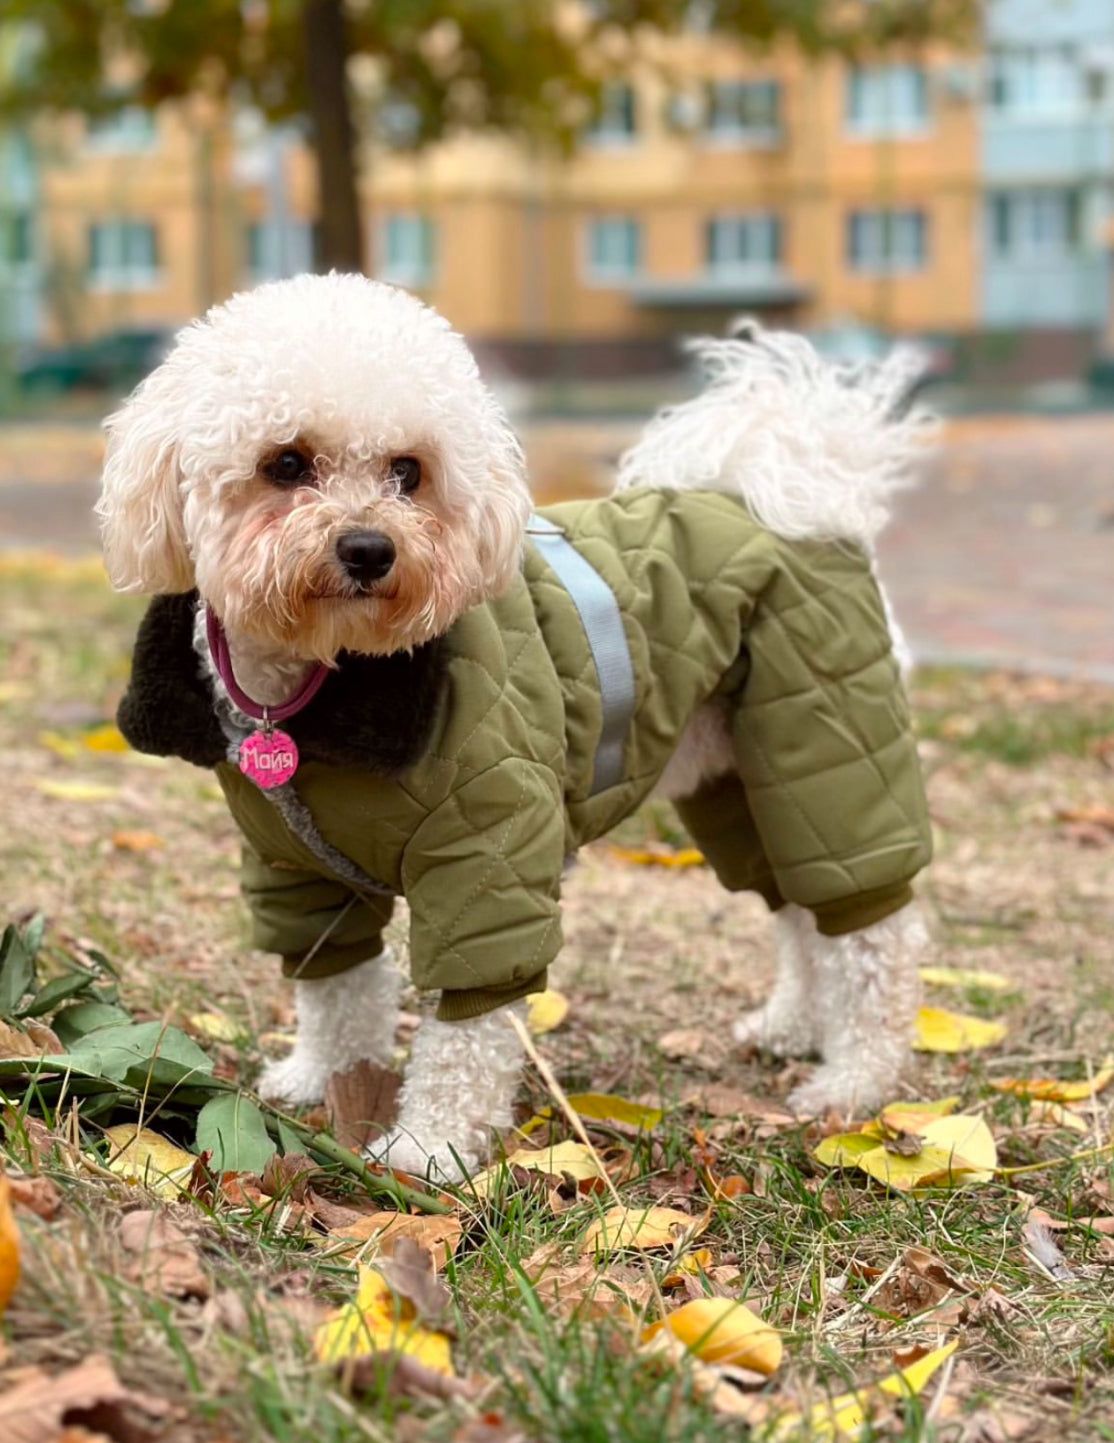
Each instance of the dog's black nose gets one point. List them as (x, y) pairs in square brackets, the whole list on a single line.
[(367, 556)]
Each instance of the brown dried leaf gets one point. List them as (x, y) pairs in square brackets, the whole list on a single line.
[(409, 1271), (685, 1042), (439, 1235), (401, 1374), (359, 1101), (166, 1262), (583, 1289), (37, 1195), (33, 1040), (289, 1176), (39, 1406), (717, 1099)]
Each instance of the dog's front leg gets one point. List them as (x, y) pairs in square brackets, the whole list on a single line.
[(867, 993), (460, 1084), (344, 1019)]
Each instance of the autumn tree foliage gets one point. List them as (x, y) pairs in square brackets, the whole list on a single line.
[(410, 71)]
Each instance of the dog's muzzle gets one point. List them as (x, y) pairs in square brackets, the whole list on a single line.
[(367, 556)]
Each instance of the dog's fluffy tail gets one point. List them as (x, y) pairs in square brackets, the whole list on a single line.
[(815, 448)]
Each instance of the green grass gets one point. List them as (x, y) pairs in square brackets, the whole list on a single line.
[(808, 1245)]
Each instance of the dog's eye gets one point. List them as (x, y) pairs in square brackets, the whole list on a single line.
[(289, 468), (406, 471)]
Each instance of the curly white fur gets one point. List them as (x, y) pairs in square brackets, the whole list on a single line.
[(341, 1020), (460, 1084), (816, 449), (355, 373)]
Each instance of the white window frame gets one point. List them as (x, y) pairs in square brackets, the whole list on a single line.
[(885, 93), (132, 130), (891, 232), (718, 132), (418, 266), (1046, 223), (609, 130), (761, 233), (607, 272), (124, 272)]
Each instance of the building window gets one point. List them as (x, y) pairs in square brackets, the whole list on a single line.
[(409, 251), (123, 254), (614, 248), (743, 242), (886, 241), (131, 128), (887, 100), (274, 251), (1035, 224), (617, 120), (744, 110), (1046, 80)]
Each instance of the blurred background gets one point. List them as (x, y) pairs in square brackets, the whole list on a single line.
[(579, 186)]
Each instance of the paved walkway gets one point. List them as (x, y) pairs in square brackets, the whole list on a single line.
[(1005, 555)]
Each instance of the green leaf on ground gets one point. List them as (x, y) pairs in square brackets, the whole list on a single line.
[(232, 1129)]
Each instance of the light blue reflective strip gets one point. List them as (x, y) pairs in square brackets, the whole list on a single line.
[(603, 625)]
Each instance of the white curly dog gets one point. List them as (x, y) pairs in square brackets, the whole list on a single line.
[(371, 374)]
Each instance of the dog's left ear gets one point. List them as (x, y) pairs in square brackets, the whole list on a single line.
[(140, 506), (506, 504)]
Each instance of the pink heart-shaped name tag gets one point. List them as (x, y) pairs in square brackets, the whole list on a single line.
[(268, 759)]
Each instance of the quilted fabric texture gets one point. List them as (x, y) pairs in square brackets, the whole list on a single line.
[(827, 809)]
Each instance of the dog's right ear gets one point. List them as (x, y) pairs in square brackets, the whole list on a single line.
[(140, 506)]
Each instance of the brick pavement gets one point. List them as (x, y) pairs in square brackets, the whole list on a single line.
[(1003, 556)]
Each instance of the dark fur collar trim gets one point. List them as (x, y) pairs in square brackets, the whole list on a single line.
[(374, 712)]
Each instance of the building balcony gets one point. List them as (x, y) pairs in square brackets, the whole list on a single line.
[(757, 288), (1069, 147)]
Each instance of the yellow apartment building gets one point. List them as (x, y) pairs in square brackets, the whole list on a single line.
[(715, 182)]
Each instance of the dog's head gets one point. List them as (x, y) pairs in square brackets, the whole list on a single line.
[(322, 460)]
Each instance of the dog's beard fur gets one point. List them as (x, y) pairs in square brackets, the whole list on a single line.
[(267, 562)]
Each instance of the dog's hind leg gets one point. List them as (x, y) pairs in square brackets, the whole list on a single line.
[(347, 1018), (459, 1085), (868, 990), (786, 1024)]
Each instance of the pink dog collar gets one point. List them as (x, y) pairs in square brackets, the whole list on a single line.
[(267, 756)]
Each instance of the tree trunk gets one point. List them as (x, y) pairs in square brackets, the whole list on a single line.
[(340, 243)]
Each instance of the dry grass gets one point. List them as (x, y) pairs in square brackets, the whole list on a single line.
[(649, 952)]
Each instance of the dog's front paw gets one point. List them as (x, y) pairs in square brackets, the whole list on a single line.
[(840, 1090), (435, 1160), (783, 1035), (297, 1080)]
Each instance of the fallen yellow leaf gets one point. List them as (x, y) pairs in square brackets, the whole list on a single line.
[(641, 1228), (9, 1245), (720, 1330), (1050, 1089), (952, 1151), (380, 1321), (563, 1157), (546, 1010), (970, 1141), (653, 857), (845, 1149), (847, 1415), (107, 738), (965, 977), (1055, 1114), (77, 791), (217, 1026), (941, 1031), (136, 841), (62, 746), (141, 1155), (603, 1107), (933, 1166)]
